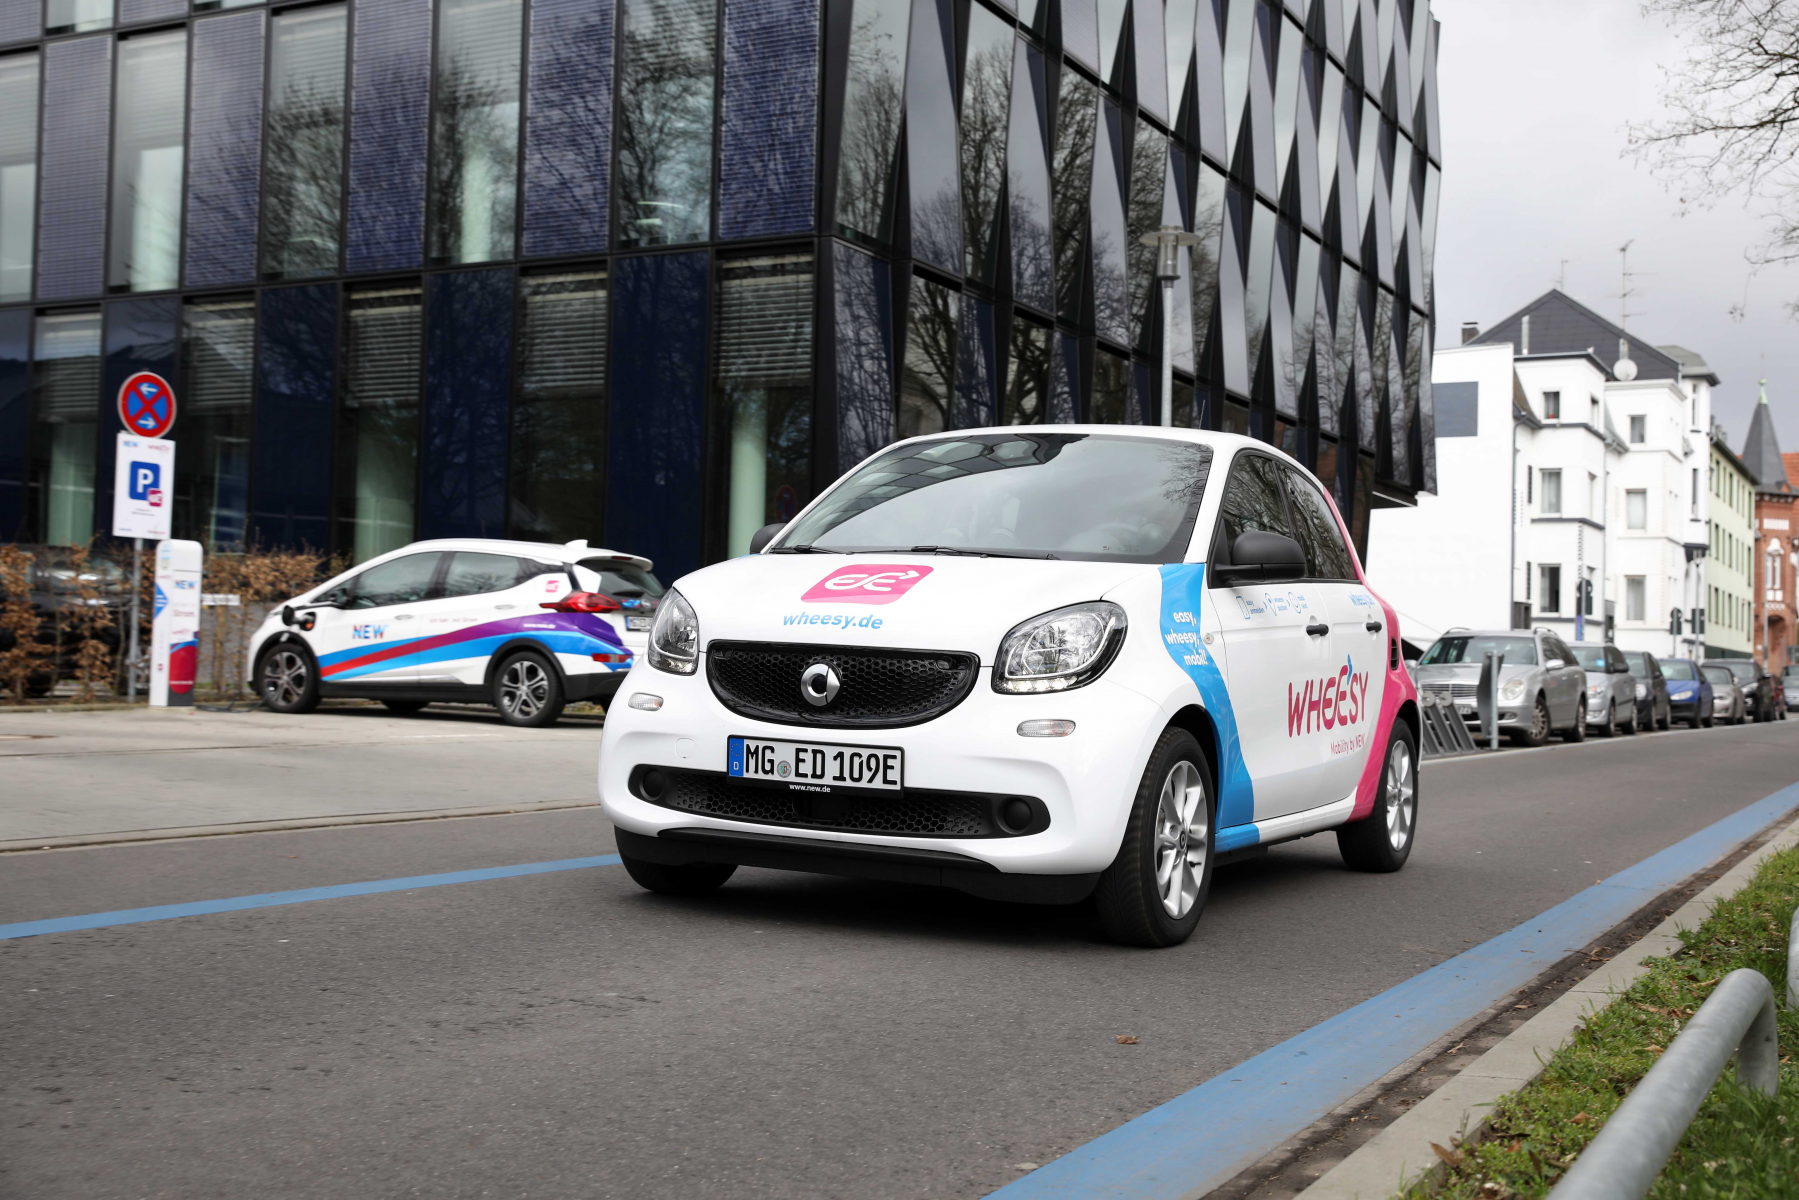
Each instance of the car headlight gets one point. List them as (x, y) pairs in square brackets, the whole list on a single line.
[(1512, 691), (1059, 650), (1595, 689), (675, 637)]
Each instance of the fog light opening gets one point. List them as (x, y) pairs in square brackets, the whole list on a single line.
[(1045, 728), (1016, 814), (652, 784)]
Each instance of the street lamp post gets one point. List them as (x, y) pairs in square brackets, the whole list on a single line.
[(1167, 243)]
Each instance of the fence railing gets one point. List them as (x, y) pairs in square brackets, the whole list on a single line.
[(1623, 1161)]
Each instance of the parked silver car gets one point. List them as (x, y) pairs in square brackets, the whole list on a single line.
[(1611, 689), (1729, 705), (1541, 688)]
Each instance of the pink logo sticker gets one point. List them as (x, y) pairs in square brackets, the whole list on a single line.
[(871, 583), (154, 496)]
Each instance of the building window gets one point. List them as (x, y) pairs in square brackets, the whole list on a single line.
[(377, 450), (474, 143), (212, 472), (559, 419), (149, 120), (1771, 577), (1027, 375), (1530, 484), (1693, 512), (1552, 406), (665, 122), (765, 390), (928, 369), (1552, 493), (1549, 588), (18, 172), (303, 172), (1635, 597), (64, 414), (986, 109), (77, 16), (1636, 509), (1638, 434), (1111, 390), (1592, 495), (872, 108)]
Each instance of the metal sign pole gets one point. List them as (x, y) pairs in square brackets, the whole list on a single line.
[(137, 590), (1167, 352)]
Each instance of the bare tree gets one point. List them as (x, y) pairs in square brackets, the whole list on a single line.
[(1735, 105)]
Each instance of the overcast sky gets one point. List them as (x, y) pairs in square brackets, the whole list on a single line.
[(1536, 97)]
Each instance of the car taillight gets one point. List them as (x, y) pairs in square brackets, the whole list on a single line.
[(583, 602)]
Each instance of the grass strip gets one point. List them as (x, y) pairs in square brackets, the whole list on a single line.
[(1740, 1145)]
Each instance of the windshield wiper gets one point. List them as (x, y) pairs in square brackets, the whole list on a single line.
[(964, 553), (803, 548)]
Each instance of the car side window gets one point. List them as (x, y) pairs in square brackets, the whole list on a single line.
[(1326, 555), (402, 581), (1615, 657), (1252, 501), (473, 574), (1559, 649)]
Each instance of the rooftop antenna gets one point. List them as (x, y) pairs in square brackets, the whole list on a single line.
[(1624, 369), (1561, 279)]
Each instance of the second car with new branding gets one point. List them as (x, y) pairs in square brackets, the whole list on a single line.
[(1035, 664)]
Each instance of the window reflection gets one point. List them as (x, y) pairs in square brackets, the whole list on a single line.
[(1179, 50), (765, 390), (931, 163), (67, 378), (1027, 375), (871, 117), (568, 136), (986, 92), (1027, 174), (18, 172), (77, 16), (1077, 113), (928, 371), (1149, 171), (863, 314), (377, 450), (1111, 296), (1111, 389), (1151, 68), (665, 122), (474, 151), (1258, 281), (149, 115), (212, 472), (1208, 226), (1111, 43), (559, 415), (303, 169)]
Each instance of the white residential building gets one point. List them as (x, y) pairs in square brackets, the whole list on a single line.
[(1570, 494)]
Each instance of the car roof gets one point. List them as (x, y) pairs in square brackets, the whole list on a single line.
[(565, 552), (1230, 442), (1486, 633)]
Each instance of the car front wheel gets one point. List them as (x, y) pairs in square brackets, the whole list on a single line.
[(1383, 841), (1155, 889), (527, 691), (1538, 733), (1630, 723), (1577, 732), (1667, 718), (287, 679)]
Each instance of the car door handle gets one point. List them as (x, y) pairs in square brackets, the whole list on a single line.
[(1374, 627), (1317, 629)]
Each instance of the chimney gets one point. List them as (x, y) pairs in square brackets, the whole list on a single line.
[(1525, 350), (1470, 331)]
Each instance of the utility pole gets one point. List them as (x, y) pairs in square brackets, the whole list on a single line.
[(1168, 242)]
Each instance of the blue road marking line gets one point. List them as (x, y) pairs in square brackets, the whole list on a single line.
[(1202, 1138), (199, 908)]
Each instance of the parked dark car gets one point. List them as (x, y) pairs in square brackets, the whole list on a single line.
[(1789, 682), (1728, 703), (1654, 709), (1690, 693), (55, 588), (1757, 684)]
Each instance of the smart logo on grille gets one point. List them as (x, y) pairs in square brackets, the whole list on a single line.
[(866, 583)]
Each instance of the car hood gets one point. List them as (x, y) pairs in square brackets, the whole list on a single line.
[(915, 601), (1465, 672), (1595, 677)]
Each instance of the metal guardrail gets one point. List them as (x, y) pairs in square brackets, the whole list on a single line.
[(1623, 1161), (1445, 732)]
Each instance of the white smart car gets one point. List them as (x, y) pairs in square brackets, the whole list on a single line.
[(524, 626), (1032, 663)]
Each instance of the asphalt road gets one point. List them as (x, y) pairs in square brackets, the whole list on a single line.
[(794, 1036)]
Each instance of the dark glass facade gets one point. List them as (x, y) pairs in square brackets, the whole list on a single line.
[(654, 272)]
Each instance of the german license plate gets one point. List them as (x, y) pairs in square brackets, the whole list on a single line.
[(813, 766), (639, 624)]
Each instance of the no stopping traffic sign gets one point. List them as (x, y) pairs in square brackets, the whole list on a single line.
[(147, 404)]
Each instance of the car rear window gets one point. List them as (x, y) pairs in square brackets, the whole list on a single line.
[(1637, 662), (614, 580), (1472, 648), (1676, 668), (1591, 657), (1716, 674)]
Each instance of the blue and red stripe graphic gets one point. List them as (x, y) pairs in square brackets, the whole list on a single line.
[(559, 633)]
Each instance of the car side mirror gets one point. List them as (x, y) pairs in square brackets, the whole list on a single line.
[(1553, 664), (762, 537), (287, 615), (1261, 557)]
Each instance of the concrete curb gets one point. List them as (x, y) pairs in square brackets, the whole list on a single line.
[(1401, 1154), (125, 837)]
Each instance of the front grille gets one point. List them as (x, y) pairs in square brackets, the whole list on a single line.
[(880, 689), (913, 813), (1454, 691)]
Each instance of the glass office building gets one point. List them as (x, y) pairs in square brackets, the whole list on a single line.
[(653, 272)]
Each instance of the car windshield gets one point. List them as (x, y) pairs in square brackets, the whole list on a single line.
[(1716, 674), (621, 581), (1790, 673), (1589, 656), (1744, 669), (1472, 648), (1638, 662), (1677, 668), (1094, 497)]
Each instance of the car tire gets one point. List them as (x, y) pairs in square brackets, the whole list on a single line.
[(1538, 733), (1382, 841), (405, 708), (685, 879), (1151, 895), (287, 678), (527, 690), (1609, 727), (1629, 727), (1667, 719), (1577, 732)]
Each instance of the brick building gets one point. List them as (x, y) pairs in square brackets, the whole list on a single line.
[(1776, 522)]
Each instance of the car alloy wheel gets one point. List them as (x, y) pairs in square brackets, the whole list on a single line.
[(1183, 839), (284, 678), (1402, 796), (524, 688), (1539, 722)]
